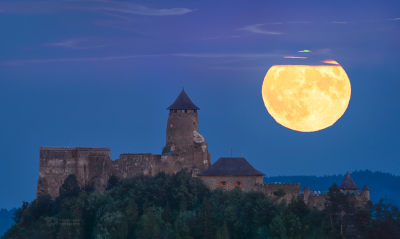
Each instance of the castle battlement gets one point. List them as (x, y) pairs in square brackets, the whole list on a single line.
[(72, 148)]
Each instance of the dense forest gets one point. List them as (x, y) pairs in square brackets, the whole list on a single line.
[(381, 185), (177, 206)]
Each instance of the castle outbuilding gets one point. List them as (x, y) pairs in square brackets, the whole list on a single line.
[(231, 172)]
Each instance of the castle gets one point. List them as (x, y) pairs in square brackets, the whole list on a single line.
[(186, 149)]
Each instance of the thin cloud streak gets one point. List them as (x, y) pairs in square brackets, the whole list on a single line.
[(256, 29), (218, 55), (73, 44), (75, 59), (142, 10), (130, 8), (195, 55)]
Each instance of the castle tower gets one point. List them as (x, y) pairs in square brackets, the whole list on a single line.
[(306, 193), (185, 147), (348, 184), (365, 192)]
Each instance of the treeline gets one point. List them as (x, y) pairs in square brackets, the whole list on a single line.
[(176, 206), (380, 184)]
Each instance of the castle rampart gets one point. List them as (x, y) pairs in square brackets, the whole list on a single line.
[(56, 163)]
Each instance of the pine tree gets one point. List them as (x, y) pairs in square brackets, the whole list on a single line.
[(166, 215), (70, 187), (223, 232), (205, 220)]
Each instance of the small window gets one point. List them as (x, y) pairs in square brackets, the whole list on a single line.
[(97, 168), (239, 184), (171, 125), (84, 168), (223, 183)]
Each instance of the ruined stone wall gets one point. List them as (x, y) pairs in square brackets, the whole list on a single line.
[(317, 200), (56, 163), (290, 190), (129, 165)]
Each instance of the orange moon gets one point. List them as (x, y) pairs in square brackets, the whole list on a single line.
[(306, 98)]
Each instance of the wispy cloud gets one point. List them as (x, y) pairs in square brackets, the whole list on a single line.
[(142, 10), (75, 59), (257, 29), (130, 8), (224, 55), (73, 44), (333, 62), (395, 19), (195, 55), (299, 57)]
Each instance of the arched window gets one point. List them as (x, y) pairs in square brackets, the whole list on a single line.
[(223, 183), (237, 183)]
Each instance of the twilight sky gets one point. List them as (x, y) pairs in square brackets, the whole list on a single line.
[(102, 73)]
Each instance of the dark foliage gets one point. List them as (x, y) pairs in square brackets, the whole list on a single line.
[(176, 206), (112, 181), (70, 187)]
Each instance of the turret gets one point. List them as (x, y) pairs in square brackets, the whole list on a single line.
[(306, 193), (365, 192), (348, 184)]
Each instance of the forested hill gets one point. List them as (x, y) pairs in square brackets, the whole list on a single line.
[(380, 184), (179, 207)]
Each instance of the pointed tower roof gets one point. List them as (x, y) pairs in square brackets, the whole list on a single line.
[(348, 183), (183, 102), (231, 167), (306, 188), (365, 188)]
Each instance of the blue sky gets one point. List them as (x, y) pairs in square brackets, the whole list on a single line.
[(102, 73)]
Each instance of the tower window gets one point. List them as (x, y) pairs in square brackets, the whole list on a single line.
[(84, 168)]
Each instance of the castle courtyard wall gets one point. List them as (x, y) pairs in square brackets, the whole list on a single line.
[(56, 163)]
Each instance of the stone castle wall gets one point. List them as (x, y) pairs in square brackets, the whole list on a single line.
[(317, 200), (245, 182), (56, 163)]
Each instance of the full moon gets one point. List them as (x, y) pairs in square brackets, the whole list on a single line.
[(306, 98)]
